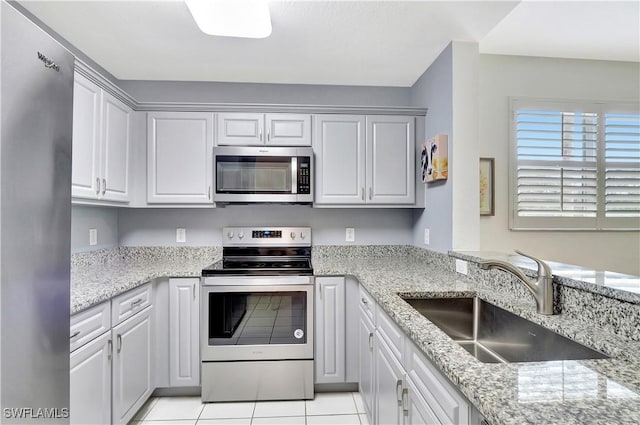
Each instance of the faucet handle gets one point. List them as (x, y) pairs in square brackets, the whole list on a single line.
[(543, 268)]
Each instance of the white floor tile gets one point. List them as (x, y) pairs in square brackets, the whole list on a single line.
[(279, 408), (359, 403), (333, 420), (176, 422), (145, 409), (167, 408), (226, 421), (279, 420), (228, 410), (363, 419), (332, 404)]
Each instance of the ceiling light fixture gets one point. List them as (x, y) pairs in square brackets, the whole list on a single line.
[(232, 18)]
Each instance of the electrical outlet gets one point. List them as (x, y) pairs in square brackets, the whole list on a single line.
[(461, 266), (426, 236), (93, 236), (350, 234), (181, 235)]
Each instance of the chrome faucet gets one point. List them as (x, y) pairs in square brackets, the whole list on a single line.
[(541, 288)]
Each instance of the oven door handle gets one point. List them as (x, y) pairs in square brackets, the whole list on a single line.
[(259, 288), (257, 280)]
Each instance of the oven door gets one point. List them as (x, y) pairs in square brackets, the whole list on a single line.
[(257, 318)]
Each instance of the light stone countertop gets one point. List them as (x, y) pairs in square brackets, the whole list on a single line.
[(560, 392), (581, 392)]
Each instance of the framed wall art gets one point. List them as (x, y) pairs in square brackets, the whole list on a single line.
[(487, 186), (435, 159)]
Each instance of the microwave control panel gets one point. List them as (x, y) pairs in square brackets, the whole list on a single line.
[(304, 174)]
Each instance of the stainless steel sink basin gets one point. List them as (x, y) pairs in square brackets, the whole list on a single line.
[(494, 335)]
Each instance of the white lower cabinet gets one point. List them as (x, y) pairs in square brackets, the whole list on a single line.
[(184, 334), (90, 382), (132, 380), (398, 385), (330, 352)]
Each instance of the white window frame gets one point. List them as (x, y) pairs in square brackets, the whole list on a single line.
[(600, 222)]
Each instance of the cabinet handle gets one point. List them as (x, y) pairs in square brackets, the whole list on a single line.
[(399, 391), (362, 193), (268, 135), (97, 186), (370, 193), (136, 303), (209, 192), (364, 300), (104, 186), (110, 350), (75, 334), (260, 134), (194, 291), (405, 401), (370, 341), (119, 339)]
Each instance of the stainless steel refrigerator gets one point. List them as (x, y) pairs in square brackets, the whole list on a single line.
[(36, 101)]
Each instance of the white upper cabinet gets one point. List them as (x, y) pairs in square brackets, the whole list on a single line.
[(248, 129), (390, 160), (364, 160), (101, 144), (339, 147), (179, 157), (85, 169)]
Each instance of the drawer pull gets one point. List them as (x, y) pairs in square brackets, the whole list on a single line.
[(136, 303), (405, 401), (370, 341), (364, 300), (75, 334), (119, 339), (110, 352)]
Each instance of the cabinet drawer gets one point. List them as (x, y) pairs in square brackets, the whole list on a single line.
[(367, 304), (89, 324), (391, 333), (441, 396), (129, 303)]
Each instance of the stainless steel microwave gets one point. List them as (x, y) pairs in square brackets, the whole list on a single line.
[(246, 174)]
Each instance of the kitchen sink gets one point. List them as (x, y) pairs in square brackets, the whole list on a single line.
[(494, 335)]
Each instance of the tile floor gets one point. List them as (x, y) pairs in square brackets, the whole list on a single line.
[(326, 409)]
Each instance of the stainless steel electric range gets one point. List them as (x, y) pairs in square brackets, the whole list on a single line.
[(257, 316)]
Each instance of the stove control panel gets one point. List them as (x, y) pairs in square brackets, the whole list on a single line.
[(266, 236)]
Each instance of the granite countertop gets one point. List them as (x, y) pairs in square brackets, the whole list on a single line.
[(100, 276), (603, 391)]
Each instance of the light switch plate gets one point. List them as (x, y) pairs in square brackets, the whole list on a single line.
[(461, 266), (93, 236), (426, 236), (181, 235), (350, 234)]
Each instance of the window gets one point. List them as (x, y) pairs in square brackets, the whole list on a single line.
[(575, 165)]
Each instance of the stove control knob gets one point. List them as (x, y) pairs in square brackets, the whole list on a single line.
[(293, 235), (241, 235), (230, 235), (302, 235)]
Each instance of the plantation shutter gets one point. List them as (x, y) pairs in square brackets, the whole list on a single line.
[(556, 156), (622, 165)]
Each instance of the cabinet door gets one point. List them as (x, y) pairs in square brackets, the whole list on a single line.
[(339, 147), (90, 382), (116, 131), (416, 409), (288, 129), (131, 365), (240, 129), (390, 160), (366, 335), (389, 384), (184, 310), (330, 358), (85, 168), (180, 157)]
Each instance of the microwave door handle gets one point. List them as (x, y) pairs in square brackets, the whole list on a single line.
[(294, 175)]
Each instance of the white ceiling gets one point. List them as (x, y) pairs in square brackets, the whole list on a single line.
[(372, 43)]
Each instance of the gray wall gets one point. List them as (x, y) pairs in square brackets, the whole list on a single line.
[(104, 219), (214, 92), (434, 90), (157, 227)]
